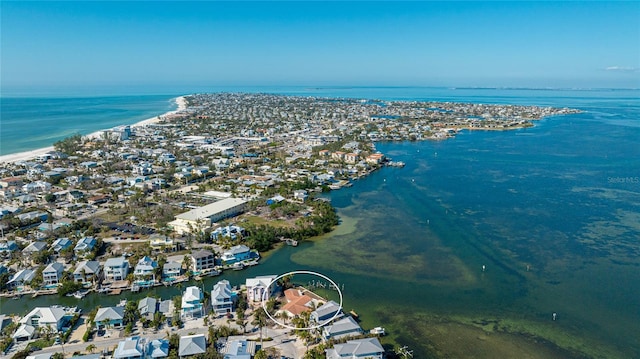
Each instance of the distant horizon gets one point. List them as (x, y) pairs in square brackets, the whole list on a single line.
[(168, 44)]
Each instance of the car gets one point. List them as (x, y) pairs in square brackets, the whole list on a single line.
[(57, 341)]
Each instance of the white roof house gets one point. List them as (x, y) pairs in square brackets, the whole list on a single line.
[(24, 332), (51, 317), (129, 348), (354, 349), (192, 345), (221, 297), (342, 328), (192, 302)]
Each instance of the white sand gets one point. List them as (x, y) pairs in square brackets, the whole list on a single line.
[(29, 155)]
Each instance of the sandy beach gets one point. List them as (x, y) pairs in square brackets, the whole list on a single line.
[(29, 155)]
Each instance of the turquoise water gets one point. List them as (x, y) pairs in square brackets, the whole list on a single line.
[(28, 123), (552, 212)]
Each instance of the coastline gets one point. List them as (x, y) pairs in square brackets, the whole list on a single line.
[(31, 154)]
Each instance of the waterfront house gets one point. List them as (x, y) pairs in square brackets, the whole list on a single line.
[(40, 317), (202, 260), (236, 254), (116, 269), (239, 349), (61, 244), (87, 272), (297, 303), (130, 348), (145, 269), (109, 317), (345, 327), (84, 246), (326, 312), (369, 348), (192, 345), (52, 274), (258, 288), (158, 348), (20, 278), (192, 303), (230, 231), (222, 298), (171, 270), (147, 307)]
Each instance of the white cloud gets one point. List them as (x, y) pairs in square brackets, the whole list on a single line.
[(621, 69)]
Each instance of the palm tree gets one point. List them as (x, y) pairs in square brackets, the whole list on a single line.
[(259, 319)]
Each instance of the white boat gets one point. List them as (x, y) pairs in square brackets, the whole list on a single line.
[(79, 295), (237, 266), (377, 331)]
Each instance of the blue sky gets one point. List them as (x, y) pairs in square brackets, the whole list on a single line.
[(152, 43)]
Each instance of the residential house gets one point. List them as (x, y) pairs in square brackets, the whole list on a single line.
[(24, 332), (33, 248), (40, 317), (326, 312), (21, 278), (236, 254), (297, 303), (192, 303), (61, 244), (116, 269), (158, 348), (239, 349), (52, 274), (192, 345), (369, 348), (202, 260), (345, 327), (147, 307), (300, 195), (222, 298), (109, 317), (85, 246), (258, 288), (8, 247), (171, 270), (351, 157), (230, 231), (130, 348), (145, 269), (87, 272)]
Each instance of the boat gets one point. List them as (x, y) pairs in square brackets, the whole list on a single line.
[(378, 331), (79, 294), (237, 266)]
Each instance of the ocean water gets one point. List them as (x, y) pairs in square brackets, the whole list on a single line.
[(552, 212), (28, 123)]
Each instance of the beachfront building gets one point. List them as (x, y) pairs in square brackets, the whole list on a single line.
[(192, 303), (192, 345), (369, 348), (41, 317), (116, 269), (52, 274), (258, 288), (222, 298), (109, 317), (87, 272), (200, 218), (202, 260), (239, 349)]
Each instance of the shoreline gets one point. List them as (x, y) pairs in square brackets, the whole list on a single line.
[(31, 154)]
